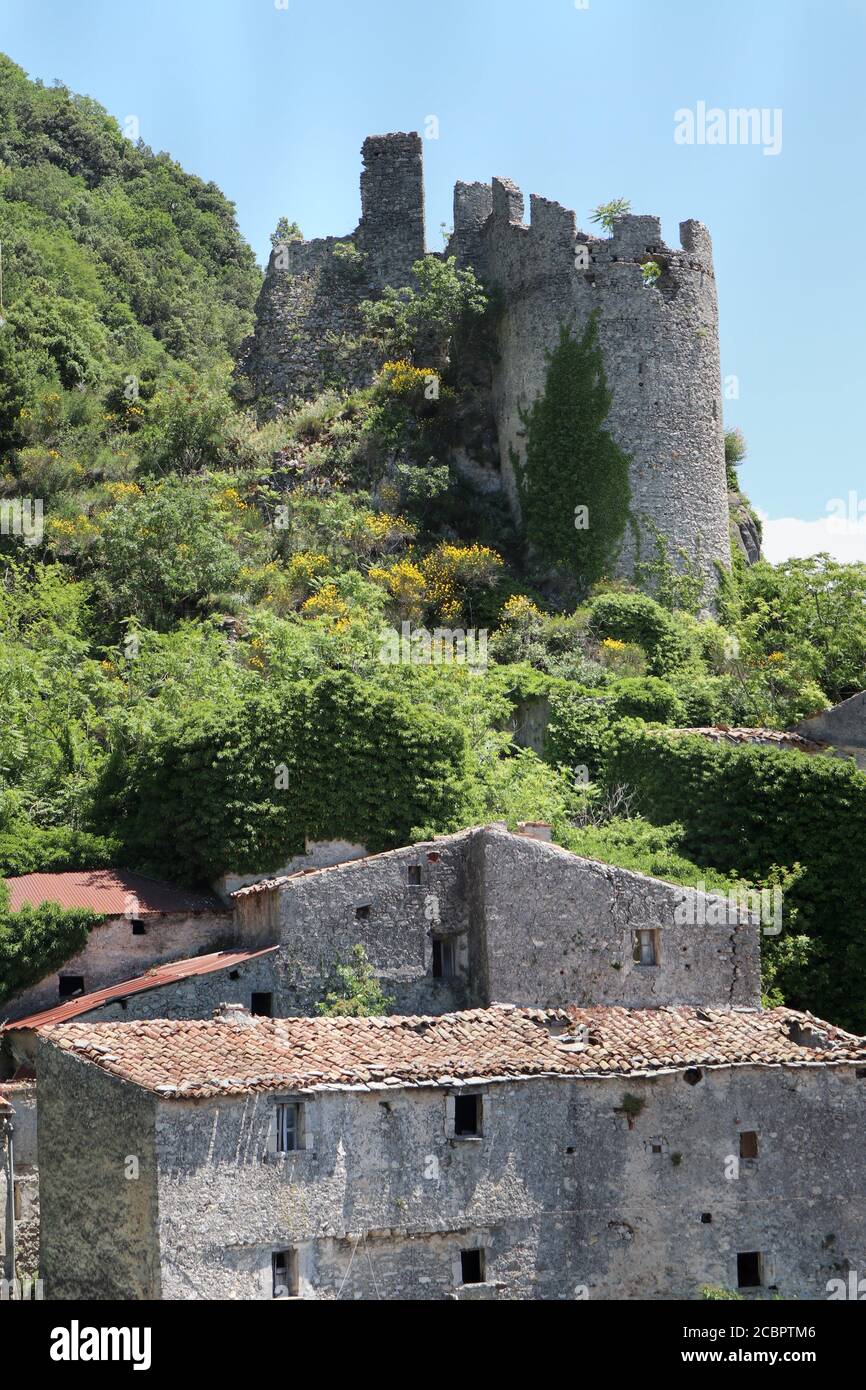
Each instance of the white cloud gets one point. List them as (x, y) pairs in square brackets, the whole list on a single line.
[(789, 538)]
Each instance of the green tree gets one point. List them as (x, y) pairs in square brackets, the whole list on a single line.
[(160, 555), (356, 992), (574, 481)]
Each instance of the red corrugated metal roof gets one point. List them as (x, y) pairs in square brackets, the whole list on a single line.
[(154, 979), (116, 892)]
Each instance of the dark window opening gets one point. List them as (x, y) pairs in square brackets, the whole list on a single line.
[(262, 1004), (748, 1144), (362, 913), (749, 1270), (443, 958), (433, 857), (657, 1148), (137, 928), (861, 1073), (414, 875), (472, 1266), (70, 985), (692, 1075), (234, 974), (706, 1218), (467, 1115), (284, 1269)]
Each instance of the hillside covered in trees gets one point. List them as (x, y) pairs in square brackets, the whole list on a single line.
[(200, 658)]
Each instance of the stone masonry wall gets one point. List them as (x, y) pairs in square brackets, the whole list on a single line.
[(560, 930), (661, 352), (309, 300), (98, 1236), (113, 954), (568, 1194)]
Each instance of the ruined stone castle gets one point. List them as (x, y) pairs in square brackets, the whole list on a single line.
[(659, 341)]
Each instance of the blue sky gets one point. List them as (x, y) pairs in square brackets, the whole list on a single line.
[(272, 98)]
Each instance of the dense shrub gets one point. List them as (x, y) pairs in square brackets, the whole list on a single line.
[(240, 787), (36, 940), (638, 618), (646, 697), (747, 809)]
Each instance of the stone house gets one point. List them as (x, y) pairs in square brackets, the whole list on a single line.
[(146, 922), (179, 989), (517, 1153), (484, 915)]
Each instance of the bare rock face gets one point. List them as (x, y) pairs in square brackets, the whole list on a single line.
[(745, 529)]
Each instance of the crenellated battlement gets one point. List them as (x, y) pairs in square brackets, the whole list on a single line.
[(658, 335)]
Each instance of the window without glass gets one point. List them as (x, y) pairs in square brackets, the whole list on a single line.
[(749, 1270), (748, 1144), (646, 947), (443, 958), (414, 875), (467, 1115), (284, 1269), (262, 1004), (70, 985), (472, 1266)]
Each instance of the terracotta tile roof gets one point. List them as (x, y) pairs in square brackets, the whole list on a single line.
[(160, 975), (112, 891), (194, 1058), (774, 738)]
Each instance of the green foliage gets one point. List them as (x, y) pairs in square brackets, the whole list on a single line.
[(813, 611), (656, 850), (606, 213), (160, 555), (646, 697), (748, 809), (638, 618), (18, 381), (711, 1293), (417, 320), (576, 732), (356, 992), (239, 783), (185, 429), (574, 481), (36, 940), (735, 452), (29, 849)]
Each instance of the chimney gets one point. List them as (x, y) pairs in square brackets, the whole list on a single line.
[(535, 829)]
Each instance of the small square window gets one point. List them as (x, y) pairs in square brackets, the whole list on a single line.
[(137, 928), (748, 1144), (706, 1218), (70, 985), (443, 958), (749, 1270), (645, 947), (284, 1270), (467, 1115), (414, 875), (262, 1004), (362, 913), (657, 1148), (472, 1266)]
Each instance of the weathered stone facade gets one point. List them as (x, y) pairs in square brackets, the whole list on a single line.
[(528, 922), (114, 952), (649, 1182), (660, 342)]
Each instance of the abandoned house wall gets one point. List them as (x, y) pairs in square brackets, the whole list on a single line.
[(395, 905), (113, 954), (612, 1188), (97, 1182), (560, 930)]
